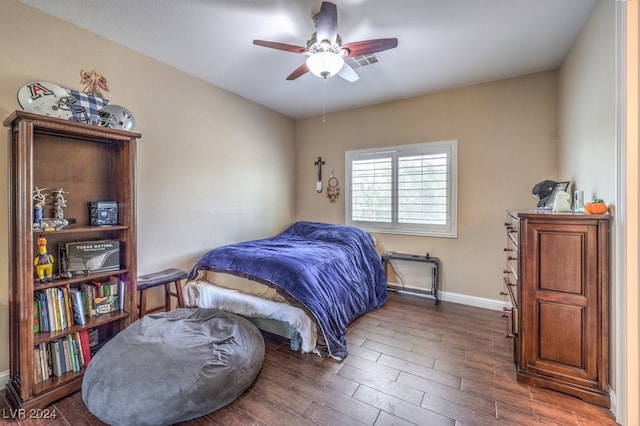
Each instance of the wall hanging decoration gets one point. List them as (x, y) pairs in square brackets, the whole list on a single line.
[(319, 163), (95, 83), (333, 190)]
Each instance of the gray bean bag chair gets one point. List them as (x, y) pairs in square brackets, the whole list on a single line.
[(173, 366)]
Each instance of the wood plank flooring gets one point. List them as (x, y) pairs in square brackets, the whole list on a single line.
[(409, 363)]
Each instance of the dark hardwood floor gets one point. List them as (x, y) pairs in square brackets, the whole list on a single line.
[(411, 362)]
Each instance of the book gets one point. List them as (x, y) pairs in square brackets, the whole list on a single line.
[(56, 358), (37, 365), (66, 352), (67, 306), (88, 297), (79, 349), (44, 312), (44, 361), (60, 309), (49, 293), (77, 306), (117, 287), (75, 349), (48, 362), (36, 316), (84, 342)]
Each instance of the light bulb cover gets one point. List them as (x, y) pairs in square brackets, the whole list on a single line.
[(325, 64)]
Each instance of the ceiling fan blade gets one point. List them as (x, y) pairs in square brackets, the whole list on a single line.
[(301, 70), (327, 25), (348, 73), (359, 48), (280, 46)]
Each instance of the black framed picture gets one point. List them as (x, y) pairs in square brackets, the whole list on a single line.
[(560, 186)]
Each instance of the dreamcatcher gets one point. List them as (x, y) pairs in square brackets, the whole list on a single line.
[(333, 190)]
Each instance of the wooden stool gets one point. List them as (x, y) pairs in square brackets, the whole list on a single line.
[(165, 278)]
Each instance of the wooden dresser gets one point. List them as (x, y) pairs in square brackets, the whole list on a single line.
[(557, 279)]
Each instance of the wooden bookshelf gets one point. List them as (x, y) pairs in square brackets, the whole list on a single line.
[(90, 163)]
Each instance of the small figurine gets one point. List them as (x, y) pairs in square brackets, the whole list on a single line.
[(60, 202), (43, 262), (38, 204)]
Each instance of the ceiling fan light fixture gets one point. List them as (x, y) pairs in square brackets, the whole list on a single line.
[(325, 64)]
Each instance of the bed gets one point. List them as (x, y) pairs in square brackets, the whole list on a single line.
[(313, 278)]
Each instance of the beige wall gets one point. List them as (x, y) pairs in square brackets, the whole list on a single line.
[(213, 168), (587, 107), (598, 150), (506, 132), (587, 127)]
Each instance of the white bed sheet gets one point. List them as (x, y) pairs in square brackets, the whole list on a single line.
[(203, 294)]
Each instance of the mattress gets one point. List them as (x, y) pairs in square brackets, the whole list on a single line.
[(203, 294)]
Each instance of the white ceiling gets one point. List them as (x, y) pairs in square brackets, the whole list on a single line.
[(442, 44)]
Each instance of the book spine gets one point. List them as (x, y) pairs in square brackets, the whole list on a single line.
[(77, 307), (37, 365), (62, 321), (84, 342), (67, 306), (52, 310), (78, 343), (36, 316), (44, 361), (44, 312), (55, 358)]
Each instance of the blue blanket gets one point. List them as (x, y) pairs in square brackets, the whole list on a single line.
[(332, 271)]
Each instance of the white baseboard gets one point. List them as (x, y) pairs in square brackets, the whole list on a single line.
[(4, 379), (614, 402), (479, 302), (463, 299)]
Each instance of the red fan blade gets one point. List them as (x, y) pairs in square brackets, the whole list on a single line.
[(348, 73), (327, 26), (301, 70), (280, 46), (359, 48)]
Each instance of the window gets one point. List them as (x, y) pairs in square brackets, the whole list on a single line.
[(409, 189)]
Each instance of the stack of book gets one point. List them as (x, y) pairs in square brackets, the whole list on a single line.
[(55, 358), (57, 308)]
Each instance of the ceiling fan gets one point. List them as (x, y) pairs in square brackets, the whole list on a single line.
[(325, 51)]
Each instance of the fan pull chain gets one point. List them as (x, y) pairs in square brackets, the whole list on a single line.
[(324, 85)]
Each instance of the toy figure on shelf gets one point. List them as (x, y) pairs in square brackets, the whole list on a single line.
[(43, 261), (38, 204), (59, 203)]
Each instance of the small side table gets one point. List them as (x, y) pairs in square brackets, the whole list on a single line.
[(435, 272)]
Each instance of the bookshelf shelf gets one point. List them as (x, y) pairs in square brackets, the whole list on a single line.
[(90, 163), (66, 281), (92, 322), (73, 229)]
